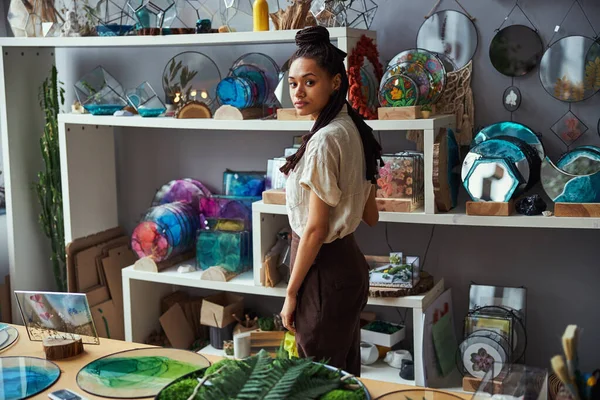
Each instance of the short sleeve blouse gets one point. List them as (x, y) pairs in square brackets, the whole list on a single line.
[(333, 167)]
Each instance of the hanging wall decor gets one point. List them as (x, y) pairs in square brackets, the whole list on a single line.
[(191, 76), (450, 33), (137, 373), (516, 50), (570, 69), (398, 91), (364, 76), (569, 128), (23, 377), (511, 98), (563, 187)]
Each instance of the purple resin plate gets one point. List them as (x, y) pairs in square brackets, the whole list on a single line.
[(185, 190)]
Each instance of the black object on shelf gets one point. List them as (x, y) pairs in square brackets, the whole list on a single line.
[(218, 335)]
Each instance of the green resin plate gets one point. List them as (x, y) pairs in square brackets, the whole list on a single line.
[(137, 373)]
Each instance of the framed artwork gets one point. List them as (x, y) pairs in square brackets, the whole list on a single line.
[(498, 324), (47, 314), (514, 298)]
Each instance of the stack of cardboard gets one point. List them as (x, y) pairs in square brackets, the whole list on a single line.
[(180, 319), (94, 265)]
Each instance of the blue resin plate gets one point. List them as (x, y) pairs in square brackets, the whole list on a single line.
[(513, 129), (235, 91), (583, 160), (492, 179), (498, 148), (563, 187), (23, 377), (254, 74)]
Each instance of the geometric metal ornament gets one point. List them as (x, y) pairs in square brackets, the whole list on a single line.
[(569, 128), (511, 99), (350, 13)]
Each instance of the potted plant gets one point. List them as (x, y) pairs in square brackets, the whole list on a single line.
[(426, 111)]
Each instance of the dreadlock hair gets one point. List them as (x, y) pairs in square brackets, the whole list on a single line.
[(313, 43)]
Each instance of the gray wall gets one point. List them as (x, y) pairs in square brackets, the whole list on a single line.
[(559, 267)]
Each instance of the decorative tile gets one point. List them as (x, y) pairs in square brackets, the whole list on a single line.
[(569, 128)]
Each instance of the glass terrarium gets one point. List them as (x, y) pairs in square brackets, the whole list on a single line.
[(145, 100), (228, 249), (153, 13), (519, 382), (111, 17), (402, 177), (100, 93), (401, 272), (243, 183)]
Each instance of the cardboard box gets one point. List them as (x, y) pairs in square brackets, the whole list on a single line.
[(108, 321), (177, 328), (382, 339), (97, 295), (218, 310)]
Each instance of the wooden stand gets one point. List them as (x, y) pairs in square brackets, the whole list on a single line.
[(289, 114), (471, 384), (581, 210), (274, 196), (402, 113), (396, 205), (58, 348), (269, 341), (227, 112), (149, 265), (218, 274), (490, 208), (425, 284)]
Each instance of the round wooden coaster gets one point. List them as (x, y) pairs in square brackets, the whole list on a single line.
[(425, 284)]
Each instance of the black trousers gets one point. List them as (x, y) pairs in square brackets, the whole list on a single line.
[(330, 301)]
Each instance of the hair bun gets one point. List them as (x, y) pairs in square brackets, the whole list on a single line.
[(314, 35)]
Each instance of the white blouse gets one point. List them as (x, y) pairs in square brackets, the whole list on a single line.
[(333, 166)]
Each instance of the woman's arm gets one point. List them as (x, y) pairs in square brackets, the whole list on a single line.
[(311, 241), (370, 213)]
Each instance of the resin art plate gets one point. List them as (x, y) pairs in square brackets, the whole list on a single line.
[(417, 73), (137, 373), (432, 63), (512, 129), (8, 335), (24, 377)]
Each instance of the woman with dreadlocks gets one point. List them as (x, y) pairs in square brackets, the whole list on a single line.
[(329, 190)]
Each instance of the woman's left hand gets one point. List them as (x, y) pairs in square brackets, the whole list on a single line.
[(287, 313)]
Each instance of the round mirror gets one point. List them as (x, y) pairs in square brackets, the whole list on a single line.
[(451, 34), (570, 69), (516, 50)]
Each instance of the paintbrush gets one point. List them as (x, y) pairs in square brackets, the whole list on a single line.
[(560, 369), (570, 341)]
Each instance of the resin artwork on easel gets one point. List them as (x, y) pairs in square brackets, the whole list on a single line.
[(242, 183), (137, 373), (23, 377), (47, 314), (8, 335), (228, 207)]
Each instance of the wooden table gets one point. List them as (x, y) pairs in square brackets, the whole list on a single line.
[(70, 367)]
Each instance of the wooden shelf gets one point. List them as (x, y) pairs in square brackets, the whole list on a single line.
[(431, 124), (244, 283), (205, 39), (460, 218)]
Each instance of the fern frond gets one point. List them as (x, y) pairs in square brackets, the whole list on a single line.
[(263, 377), (286, 383), (312, 388)]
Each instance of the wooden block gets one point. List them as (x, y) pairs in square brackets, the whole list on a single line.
[(580, 210), (193, 109), (471, 384), (149, 265), (217, 274), (399, 113), (490, 208), (227, 112), (269, 341), (396, 205), (59, 348), (274, 196), (289, 114)]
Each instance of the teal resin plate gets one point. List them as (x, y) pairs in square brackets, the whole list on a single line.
[(398, 91), (499, 149), (512, 129), (24, 377), (563, 187), (417, 73), (432, 63), (137, 373), (8, 335), (583, 160)]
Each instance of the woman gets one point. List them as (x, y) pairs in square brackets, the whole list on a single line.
[(329, 190)]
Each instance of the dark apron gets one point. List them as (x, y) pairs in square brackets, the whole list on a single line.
[(330, 301)]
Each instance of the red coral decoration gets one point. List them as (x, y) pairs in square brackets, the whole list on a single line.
[(364, 48)]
